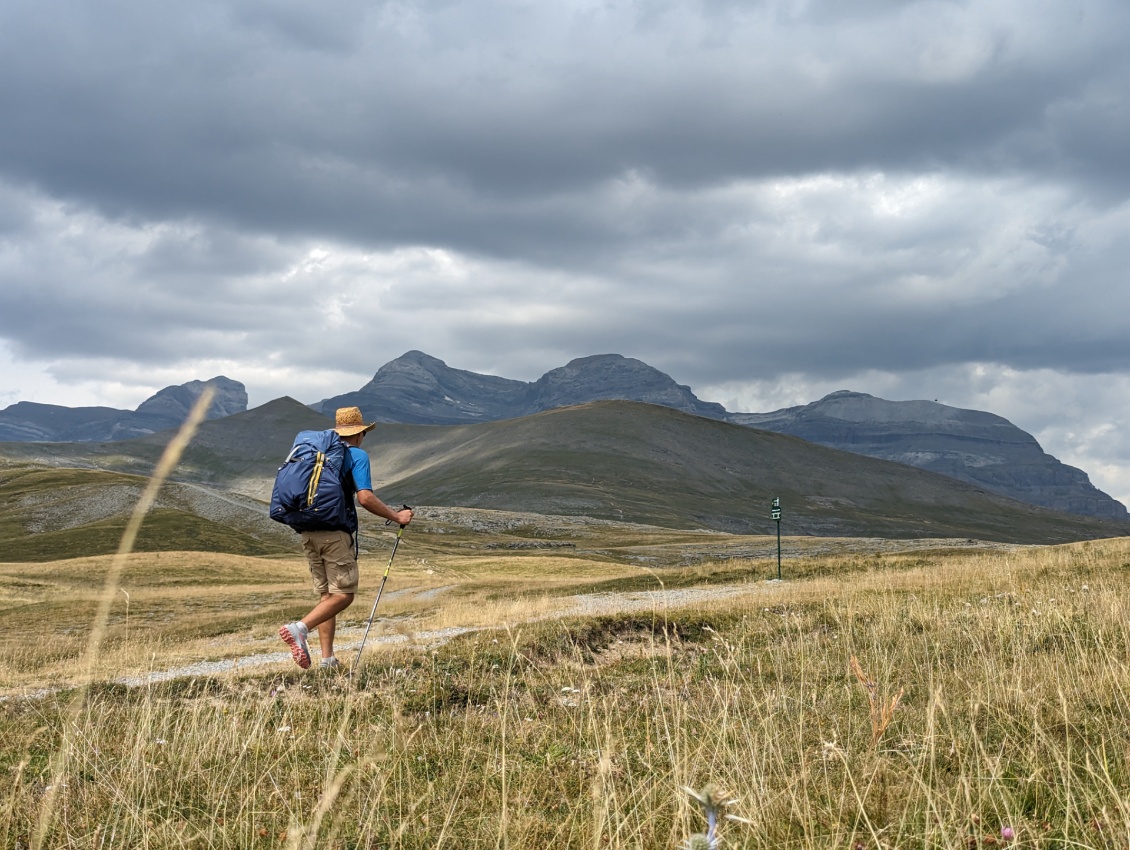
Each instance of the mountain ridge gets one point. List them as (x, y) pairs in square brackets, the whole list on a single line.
[(969, 445), (972, 446), (418, 388), (27, 421), (619, 461)]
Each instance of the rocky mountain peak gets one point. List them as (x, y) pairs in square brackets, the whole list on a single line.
[(613, 376), (416, 387), (861, 407), (412, 363), (175, 402), (165, 409), (419, 388)]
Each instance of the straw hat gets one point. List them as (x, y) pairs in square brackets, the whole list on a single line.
[(349, 422)]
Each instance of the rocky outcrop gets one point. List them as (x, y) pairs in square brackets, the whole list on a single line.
[(969, 445), (28, 421), (417, 388), (175, 402), (611, 376)]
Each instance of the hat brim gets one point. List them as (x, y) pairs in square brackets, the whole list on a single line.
[(350, 430)]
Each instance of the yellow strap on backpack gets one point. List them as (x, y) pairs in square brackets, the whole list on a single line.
[(315, 477)]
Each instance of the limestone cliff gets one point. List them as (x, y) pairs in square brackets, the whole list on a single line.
[(970, 445)]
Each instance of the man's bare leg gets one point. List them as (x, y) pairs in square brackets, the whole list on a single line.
[(324, 618), (326, 630)]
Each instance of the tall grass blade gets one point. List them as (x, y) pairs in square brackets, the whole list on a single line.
[(168, 462)]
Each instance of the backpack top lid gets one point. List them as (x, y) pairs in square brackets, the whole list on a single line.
[(326, 442)]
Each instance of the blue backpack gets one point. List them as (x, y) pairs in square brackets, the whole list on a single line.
[(314, 487)]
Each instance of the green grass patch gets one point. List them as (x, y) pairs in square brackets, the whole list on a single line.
[(164, 530)]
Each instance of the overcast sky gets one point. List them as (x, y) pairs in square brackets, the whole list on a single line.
[(769, 201)]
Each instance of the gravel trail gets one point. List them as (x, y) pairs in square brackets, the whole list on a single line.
[(349, 638)]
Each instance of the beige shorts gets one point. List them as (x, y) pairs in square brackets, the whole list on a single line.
[(333, 566)]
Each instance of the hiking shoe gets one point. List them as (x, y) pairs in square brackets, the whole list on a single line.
[(329, 663), (294, 635)]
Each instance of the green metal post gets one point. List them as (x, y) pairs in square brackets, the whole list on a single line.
[(775, 514), (778, 550)]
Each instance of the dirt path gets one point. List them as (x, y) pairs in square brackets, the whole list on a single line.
[(349, 637), (264, 652)]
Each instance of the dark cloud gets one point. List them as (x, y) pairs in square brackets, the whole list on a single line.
[(761, 197), (446, 122)]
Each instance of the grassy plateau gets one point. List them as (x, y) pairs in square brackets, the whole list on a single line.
[(544, 682), (880, 697)]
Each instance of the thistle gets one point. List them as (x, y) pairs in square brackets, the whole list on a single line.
[(713, 801), (701, 841)]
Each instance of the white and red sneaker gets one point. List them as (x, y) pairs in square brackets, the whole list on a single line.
[(294, 634)]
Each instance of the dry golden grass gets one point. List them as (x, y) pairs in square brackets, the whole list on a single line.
[(173, 608), (582, 732)]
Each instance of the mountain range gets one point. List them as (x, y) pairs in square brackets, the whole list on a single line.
[(618, 461), (417, 388), (30, 421), (972, 446), (969, 445), (975, 447)]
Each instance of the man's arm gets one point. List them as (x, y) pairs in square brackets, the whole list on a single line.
[(369, 501)]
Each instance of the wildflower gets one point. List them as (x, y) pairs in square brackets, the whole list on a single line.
[(713, 801), (1007, 833)]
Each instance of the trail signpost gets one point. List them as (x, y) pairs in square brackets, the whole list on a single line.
[(776, 515)]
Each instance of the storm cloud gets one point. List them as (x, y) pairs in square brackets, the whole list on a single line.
[(767, 200)]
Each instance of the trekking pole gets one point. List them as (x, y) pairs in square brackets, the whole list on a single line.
[(373, 613)]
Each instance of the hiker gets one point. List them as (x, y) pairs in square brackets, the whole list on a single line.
[(332, 555)]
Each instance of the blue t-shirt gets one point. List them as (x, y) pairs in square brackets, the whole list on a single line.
[(362, 476)]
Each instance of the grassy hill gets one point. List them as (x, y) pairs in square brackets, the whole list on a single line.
[(616, 460), (651, 464), (51, 513), (240, 452)]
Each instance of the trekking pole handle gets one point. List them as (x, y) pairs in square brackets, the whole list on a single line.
[(403, 508)]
